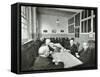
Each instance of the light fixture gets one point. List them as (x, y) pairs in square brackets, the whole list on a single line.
[(57, 21)]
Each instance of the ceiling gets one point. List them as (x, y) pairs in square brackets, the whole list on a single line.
[(57, 11)]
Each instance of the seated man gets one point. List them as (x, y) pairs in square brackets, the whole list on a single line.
[(73, 48), (42, 62), (86, 56)]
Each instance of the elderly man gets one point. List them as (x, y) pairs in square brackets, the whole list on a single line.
[(86, 55), (42, 62)]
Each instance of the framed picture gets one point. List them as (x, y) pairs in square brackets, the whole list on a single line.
[(62, 31), (36, 47), (45, 31), (54, 31)]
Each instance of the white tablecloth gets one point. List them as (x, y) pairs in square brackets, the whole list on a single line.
[(68, 59)]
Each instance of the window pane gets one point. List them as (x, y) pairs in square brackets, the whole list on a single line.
[(89, 25), (77, 20), (94, 22), (70, 21), (71, 29), (85, 26), (89, 13), (82, 29), (93, 12), (85, 13), (26, 24)]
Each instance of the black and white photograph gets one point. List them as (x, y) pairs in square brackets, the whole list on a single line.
[(56, 38)]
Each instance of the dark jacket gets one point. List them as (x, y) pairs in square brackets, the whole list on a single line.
[(87, 57), (73, 49), (42, 63)]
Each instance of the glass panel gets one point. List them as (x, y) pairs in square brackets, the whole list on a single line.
[(93, 12), (94, 24), (82, 27), (77, 20), (89, 13), (71, 29), (70, 21), (85, 13), (25, 24), (85, 26), (89, 25)]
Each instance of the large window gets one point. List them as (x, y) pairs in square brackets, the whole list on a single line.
[(71, 25), (71, 29), (86, 13), (71, 20), (77, 19), (87, 21), (25, 24), (86, 26)]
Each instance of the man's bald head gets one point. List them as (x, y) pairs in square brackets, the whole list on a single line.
[(85, 45), (44, 51)]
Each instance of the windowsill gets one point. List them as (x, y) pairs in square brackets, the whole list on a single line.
[(27, 42), (87, 33)]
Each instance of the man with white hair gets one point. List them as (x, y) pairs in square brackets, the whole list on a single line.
[(43, 51), (42, 62), (86, 55), (47, 41)]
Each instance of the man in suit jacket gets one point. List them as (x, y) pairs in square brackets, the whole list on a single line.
[(73, 48), (87, 56), (42, 62)]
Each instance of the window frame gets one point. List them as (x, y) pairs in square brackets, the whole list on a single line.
[(86, 19)]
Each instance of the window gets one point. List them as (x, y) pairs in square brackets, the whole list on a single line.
[(89, 13), (86, 13), (82, 27), (94, 24), (70, 21), (83, 14), (71, 28), (86, 21), (77, 20), (71, 25), (86, 26), (89, 25), (25, 24), (93, 12)]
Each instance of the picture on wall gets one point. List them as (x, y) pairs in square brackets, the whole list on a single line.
[(54, 31)]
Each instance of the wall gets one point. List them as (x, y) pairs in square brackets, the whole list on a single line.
[(82, 38), (48, 22)]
